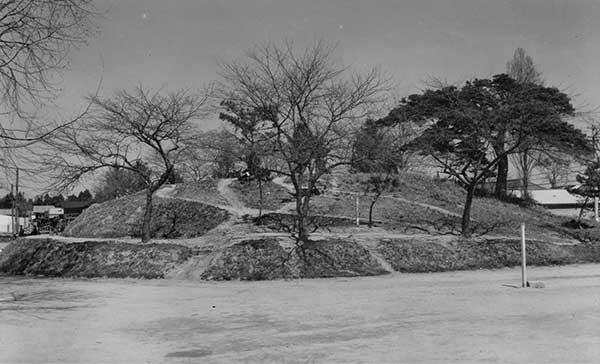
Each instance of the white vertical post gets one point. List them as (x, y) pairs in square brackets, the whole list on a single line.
[(357, 219), (596, 209), (523, 257)]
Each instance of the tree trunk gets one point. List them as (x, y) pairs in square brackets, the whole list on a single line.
[(581, 211), (260, 196), (502, 178), (299, 219), (147, 221), (371, 213), (502, 175), (466, 217), (525, 177), (373, 201), (302, 236)]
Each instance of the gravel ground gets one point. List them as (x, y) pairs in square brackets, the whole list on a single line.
[(457, 317)]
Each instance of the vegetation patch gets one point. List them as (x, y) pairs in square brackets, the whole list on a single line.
[(274, 195), (204, 191), (259, 259), (336, 258), (171, 218), (47, 257), (391, 214), (411, 186), (284, 222), (264, 259), (490, 216), (417, 256)]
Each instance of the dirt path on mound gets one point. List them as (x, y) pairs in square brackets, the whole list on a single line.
[(369, 237), (289, 187), (428, 206), (235, 229), (288, 206), (237, 206)]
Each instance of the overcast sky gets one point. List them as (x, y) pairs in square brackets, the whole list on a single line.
[(177, 43)]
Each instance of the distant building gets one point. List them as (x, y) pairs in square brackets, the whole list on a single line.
[(74, 208), (559, 201), (7, 221), (49, 209)]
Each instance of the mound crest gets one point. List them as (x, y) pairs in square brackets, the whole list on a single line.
[(171, 218)]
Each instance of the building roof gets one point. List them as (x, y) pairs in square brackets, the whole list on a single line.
[(556, 197), (42, 208), (517, 184)]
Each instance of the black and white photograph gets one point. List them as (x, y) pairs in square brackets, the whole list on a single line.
[(299, 181)]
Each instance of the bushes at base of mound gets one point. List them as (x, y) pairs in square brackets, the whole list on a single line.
[(171, 218), (414, 256), (51, 258), (282, 222), (184, 219), (336, 258), (260, 259), (263, 259)]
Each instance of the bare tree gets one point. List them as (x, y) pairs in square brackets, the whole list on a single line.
[(310, 105), (132, 127), (118, 182), (213, 153), (36, 39), (556, 168), (521, 69), (525, 161)]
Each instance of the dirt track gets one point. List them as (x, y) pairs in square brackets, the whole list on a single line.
[(460, 317)]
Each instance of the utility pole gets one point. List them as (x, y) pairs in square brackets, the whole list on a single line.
[(15, 198), (12, 210)]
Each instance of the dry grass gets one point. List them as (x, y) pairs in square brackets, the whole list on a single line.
[(417, 256), (274, 195), (91, 259), (489, 216), (203, 191), (122, 218)]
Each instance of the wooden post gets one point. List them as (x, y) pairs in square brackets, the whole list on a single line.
[(12, 209), (523, 258), (357, 219), (596, 209)]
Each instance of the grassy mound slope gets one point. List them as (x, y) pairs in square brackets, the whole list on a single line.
[(260, 259), (413, 256), (274, 195), (90, 259), (171, 218), (393, 214), (203, 191), (265, 259), (336, 258), (411, 186), (490, 216)]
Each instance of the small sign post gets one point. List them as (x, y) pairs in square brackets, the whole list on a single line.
[(523, 257)]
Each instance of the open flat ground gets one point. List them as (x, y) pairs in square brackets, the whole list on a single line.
[(457, 317)]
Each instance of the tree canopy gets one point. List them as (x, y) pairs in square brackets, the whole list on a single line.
[(142, 131), (463, 123), (310, 105)]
